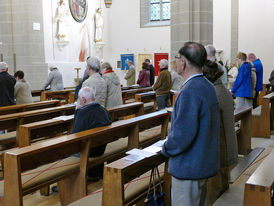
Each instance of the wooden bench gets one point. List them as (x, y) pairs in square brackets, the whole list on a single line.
[(130, 94), (266, 90), (13, 121), (243, 114), (28, 107), (72, 178), (67, 95), (262, 117), (259, 187), (118, 187), (28, 133), (147, 97)]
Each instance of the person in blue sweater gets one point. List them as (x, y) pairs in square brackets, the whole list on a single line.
[(259, 74), (193, 141), (242, 85)]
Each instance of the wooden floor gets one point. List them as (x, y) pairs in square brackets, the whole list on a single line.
[(234, 196)]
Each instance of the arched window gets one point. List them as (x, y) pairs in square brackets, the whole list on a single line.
[(159, 10)]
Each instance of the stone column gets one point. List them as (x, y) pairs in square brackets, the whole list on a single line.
[(21, 40), (191, 20), (234, 29)]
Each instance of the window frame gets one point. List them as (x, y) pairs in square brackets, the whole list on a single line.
[(160, 3)]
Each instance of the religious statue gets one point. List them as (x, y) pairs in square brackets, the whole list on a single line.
[(99, 25), (61, 18)]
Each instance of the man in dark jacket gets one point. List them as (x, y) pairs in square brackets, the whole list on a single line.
[(7, 83), (89, 116), (151, 71)]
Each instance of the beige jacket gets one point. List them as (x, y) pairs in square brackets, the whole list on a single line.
[(22, 92), (130, 76), (96, 82), (114, 94)]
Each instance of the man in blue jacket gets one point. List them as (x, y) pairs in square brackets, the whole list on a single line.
[(242, 85), (259, 74), (193, 141)]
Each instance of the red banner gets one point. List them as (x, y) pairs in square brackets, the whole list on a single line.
[(157, 58)]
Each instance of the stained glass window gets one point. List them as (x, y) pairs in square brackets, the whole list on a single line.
[(159, 10)]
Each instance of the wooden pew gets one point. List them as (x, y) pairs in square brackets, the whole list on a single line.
[(116, 176), (146, 98), (243, 114), (28, 133), (130, 94), (266, 91), (28, 107), (262, 117), (67, 95), (120, 172), (259, 187), (13, 121), (72, 180)]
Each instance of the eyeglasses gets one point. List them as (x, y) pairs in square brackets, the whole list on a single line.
[(178, 57)]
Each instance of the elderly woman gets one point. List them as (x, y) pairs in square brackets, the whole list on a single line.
[(114, 93), (228, 142), (22, 89), (95, 81), (177, 80), (144, 76)]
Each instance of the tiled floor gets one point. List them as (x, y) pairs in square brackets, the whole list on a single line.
[(234, 196)]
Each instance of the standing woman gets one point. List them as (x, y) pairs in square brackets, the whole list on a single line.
[(114, 93), (22, 90), (144, 76)]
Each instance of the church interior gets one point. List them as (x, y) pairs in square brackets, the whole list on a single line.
[(37, 36)]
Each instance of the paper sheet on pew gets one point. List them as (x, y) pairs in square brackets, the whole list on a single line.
[(156, 147), (64, 118), (140, 153)]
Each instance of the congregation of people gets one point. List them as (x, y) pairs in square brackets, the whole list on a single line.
[(201, 143)]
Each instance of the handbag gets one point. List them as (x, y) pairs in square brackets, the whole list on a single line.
[(155, 197)]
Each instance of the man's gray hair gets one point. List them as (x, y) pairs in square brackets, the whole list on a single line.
[(3, 66), (164, 62), (210, 50), (94, 64), (87, 92)]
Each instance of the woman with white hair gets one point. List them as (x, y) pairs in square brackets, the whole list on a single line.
[(55, 80), (114, 93), (163, 85)]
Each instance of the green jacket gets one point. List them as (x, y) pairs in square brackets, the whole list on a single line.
[(164, 83)]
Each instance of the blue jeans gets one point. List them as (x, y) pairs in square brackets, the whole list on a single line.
[(189, 192), (162, 101)]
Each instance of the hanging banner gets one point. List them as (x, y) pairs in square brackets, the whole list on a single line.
[(157, 58)]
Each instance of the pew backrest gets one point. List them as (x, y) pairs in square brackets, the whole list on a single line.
[(67, 95), (28, 107)]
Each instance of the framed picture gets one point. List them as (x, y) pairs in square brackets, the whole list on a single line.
[(78, 9), (124, 59), (142, 58)]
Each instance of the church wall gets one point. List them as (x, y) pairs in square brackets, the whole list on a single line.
[(256, 31), (124, 35), (66, 58)]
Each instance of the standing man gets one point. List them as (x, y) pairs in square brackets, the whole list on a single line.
[(95, 81), (211, 52), (130, 75), (193, 140), (259, 73), (242, 88), (163, 85), (151, 71), (7, 83), (55, 80)]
